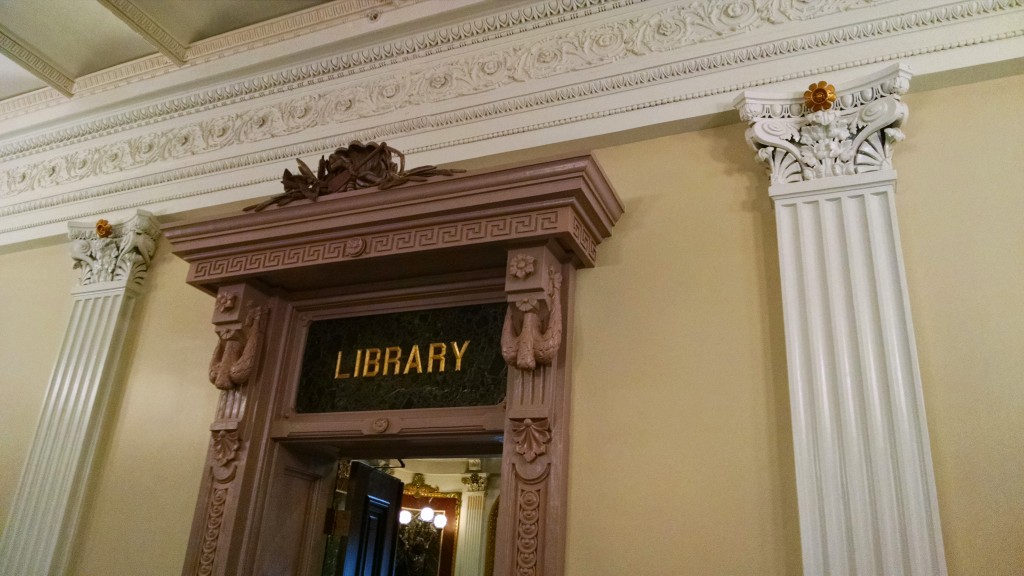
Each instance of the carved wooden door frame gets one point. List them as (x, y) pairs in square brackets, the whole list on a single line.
[(515, 235)]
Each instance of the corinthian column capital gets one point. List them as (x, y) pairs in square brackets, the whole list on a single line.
[(827, 131), (114, 253)]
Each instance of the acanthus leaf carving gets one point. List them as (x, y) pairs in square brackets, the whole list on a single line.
[(237, 351), (532, 332), (799, 141), (225, 445), (531, 437)]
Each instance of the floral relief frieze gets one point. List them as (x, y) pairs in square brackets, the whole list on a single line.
[(871, 30), (568, 51)]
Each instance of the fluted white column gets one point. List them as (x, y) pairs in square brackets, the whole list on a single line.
[(865, 484), (470, 557), (114, 260)]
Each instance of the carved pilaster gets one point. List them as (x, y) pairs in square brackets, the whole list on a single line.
[(536, 407), (469, 560), (865, 485), (240, 316), (114, 260)]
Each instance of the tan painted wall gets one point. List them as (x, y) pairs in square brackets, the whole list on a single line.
[(961, 203), (682, 458), (682, 453), (35, 304)]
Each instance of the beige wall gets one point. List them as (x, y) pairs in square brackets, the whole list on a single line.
[(961, 203), (35, 304), (682, 458)]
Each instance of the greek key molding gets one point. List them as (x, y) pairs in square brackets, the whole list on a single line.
[(503, 227)]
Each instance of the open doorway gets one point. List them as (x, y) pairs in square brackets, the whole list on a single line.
[(443, 516)]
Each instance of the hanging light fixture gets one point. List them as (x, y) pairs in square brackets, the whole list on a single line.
[(427, 514)]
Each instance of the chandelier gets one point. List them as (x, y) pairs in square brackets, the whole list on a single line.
[(427, 515)]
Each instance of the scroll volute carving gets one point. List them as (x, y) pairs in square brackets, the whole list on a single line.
[(240, 318), (532, 333)]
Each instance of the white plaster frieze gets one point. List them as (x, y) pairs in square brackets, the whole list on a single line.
[(572, 49), (367, 60), (591, 69)]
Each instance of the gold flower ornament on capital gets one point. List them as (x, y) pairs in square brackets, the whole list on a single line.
[(820, 96)]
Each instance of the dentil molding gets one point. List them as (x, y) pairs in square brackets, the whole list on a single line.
[(618, 64)]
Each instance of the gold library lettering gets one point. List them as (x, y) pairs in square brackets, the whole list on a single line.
[(387, 361)]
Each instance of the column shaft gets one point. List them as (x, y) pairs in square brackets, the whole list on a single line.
[(866, 492)]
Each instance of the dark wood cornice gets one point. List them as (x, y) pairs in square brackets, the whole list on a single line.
[(566, 201)]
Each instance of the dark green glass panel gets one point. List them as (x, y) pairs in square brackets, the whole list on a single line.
[(409, 383)]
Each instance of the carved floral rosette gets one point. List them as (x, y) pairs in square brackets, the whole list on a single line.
[(105, 252), (855, 135)]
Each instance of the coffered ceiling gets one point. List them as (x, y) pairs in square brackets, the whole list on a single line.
[(54, 42)]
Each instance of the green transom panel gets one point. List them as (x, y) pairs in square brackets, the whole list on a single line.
[(445, 357)]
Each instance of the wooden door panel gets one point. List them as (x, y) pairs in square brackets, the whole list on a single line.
[(374, 501)]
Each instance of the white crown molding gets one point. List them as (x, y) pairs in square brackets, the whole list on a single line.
[(191, 155), (367, 60), (569, 50), (305, 22)]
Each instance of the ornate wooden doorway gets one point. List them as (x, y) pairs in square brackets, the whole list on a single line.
[(514, 237)]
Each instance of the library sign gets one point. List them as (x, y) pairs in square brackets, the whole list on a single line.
[(445, 357)]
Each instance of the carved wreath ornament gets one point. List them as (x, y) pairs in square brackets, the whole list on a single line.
[(350, 168), (828, 134)]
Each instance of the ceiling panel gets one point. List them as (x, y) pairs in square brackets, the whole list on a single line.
[(78, 37), (191, 20), (16, 80)]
